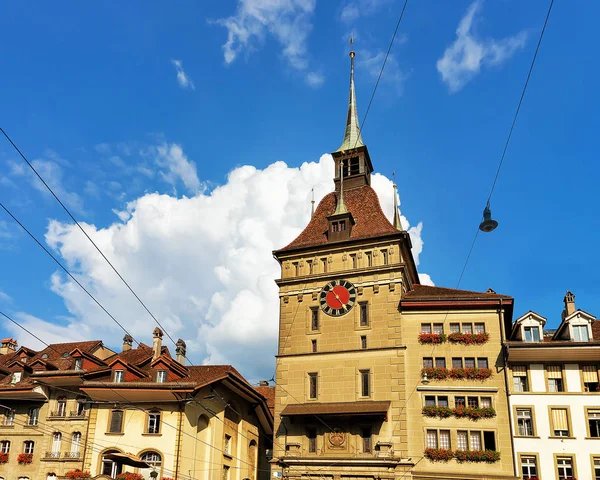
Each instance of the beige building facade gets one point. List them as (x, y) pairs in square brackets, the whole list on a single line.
[(350, 376)]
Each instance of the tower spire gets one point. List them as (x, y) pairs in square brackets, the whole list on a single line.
[(312, 203), (341, 205), (352, 136), (397, 222)]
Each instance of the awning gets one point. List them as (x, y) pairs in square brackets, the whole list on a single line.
[(338, 408), (127, 459)]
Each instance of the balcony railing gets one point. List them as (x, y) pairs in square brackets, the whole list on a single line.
[(75, 414), (63, 455), (58, 414), (52, 455)]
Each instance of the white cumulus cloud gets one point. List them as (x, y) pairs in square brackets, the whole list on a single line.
[(203, 265), (465, 58), (288, 21), (314, 79), (182, 78)]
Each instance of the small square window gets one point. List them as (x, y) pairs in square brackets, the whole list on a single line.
[(454, 328), (440, 362), (118, 376), (427, 362), (314, 318), (469, 363), (161, 376), (482, 362), (363, 341), (314, 346), (467, 328), (426, 328), (459, 401), (480, 328), (429, 400), (473, 402), (438, 328), (443, 401), (457, 362)]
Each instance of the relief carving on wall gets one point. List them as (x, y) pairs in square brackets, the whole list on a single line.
[(337, 438)]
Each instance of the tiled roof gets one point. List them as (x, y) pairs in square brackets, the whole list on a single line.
[(204, 374), (269, 393), (134, 356), (362, 203), (426, 292), (58, 353)]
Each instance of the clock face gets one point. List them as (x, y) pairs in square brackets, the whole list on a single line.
[(337, 297)]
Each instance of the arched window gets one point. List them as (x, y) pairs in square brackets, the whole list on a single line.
[(81, 406), (51, 476), (154, 460), (75, 444), (56, 439), (153, 425), (110, 468), (34, 415), (23, 478), (9, 418), (252, 460), (28, 446), (61, 407), (5, 446)]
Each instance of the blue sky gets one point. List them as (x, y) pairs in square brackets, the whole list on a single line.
[(161, 124)]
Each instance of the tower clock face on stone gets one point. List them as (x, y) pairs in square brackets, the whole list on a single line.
[(337, 297)]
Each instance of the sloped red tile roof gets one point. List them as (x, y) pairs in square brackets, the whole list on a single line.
[(207, 373), (134, 356), (364, 205), (58, 353), (426, 292), (269, 393)]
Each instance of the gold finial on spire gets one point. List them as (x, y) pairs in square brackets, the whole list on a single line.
[(341, 206), (352, 136), (397, 222), (312, 203)]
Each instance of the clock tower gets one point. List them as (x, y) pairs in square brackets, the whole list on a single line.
[(377, 376)]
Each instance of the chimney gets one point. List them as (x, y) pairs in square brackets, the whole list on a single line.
[(180, 351), (127, 341), (569, 304), (263, 383), (157, 343), (8, 345)]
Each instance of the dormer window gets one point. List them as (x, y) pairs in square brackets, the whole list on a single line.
[(580, 333), (339, 226), (118, 376), (532, 334), (161, 376), (16, 377), (78, 362)]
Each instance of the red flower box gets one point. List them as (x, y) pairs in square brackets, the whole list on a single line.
[(78, 474), (24, 458), (438, 454), (459, 412), (432, 337), (129, 476), (436, 411), (487, 456), (440, 373), (3, 457), (469, 338)]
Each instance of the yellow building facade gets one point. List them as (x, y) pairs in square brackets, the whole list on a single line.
[(352, 366)]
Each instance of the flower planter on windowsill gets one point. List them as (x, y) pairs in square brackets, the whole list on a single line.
[(3, 457), (469, 338), (443, 455), (473, 413), (78, 475), (438, 454), (441, 373), (432, 337), (129, 476), (24, 458)]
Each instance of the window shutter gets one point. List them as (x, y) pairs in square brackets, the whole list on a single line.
[(519, 370), (559, 419), (590, 373), (554, 371)]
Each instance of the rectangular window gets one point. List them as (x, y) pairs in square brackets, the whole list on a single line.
[(485, 402), (342, 225), (594, 422), (384, 257), (9, 418), (564, 466), (363, 341), (475, 443), (227, 445), (443, 401), (28, 446), (459, 401), (353, 260), (429, 401), (354, 165), (524, 422), (314, 318), (427, 362), (482, 362), (225, 472), (489, 440), (365, 386), (480, 328), (153, 422), (426, 328), (580, 333), (432, 439), (5, 446), (590, 378), (520, 383), (364, 315), (335, 227), (560, 422), (467, 328), (596, 471), (312, 385), (369, 257), (456, 362), (445, 439), (365, 433), (16, 377), (34, 415), (118, 376), (455, 328), (461, 437), (116, 422), (529, 467), (313, 346), (440, 362), (161, 376), (438, 328), (312, 440), (310, 265), (469, 363), (324, 265), (296, 268), (78, 363), (473, 402), (555, 380), (532, 334)]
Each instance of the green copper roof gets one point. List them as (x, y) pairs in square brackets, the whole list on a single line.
[(352, 136)]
